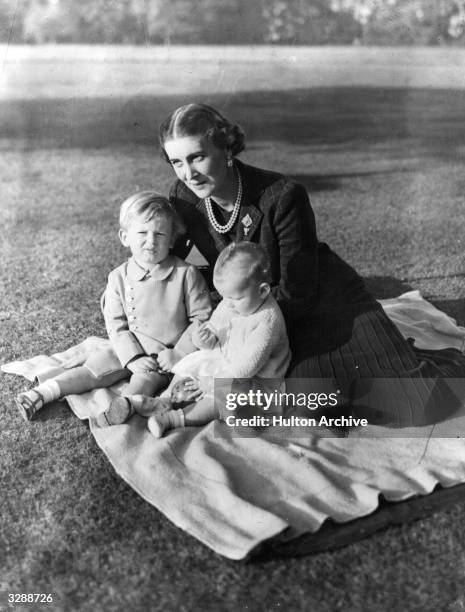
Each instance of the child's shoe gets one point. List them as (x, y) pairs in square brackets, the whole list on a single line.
[(28, 403), (118, 412), (122, 408)]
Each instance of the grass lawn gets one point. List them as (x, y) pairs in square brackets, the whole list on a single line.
[(384, 168)]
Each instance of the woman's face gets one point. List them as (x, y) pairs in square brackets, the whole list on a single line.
[(200, 165)]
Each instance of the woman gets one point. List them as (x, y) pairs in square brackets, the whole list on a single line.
[(338, 332)]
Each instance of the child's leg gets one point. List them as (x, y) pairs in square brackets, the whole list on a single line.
[(74, 381), (200, 413), (138, 397), (146, 384), (79, 380), (197, 414)]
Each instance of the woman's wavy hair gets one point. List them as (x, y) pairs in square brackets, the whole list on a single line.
[(145, 205), (201, 119)]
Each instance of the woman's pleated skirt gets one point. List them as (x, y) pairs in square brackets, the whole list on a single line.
[(359, 353)]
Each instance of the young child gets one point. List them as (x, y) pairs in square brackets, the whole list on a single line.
[(148, 304), (245, 337)]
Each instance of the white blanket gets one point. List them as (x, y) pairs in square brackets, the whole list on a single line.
[(232, 493)]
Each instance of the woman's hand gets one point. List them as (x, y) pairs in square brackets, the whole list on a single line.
[(200, 387), (142, 365), (168, 358), (193, 389), (186, 390)]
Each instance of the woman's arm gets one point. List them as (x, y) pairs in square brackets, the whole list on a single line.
[(182, 247), (295, 230)]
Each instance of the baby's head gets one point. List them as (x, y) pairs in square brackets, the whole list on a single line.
[(241, 277), (148, 227)]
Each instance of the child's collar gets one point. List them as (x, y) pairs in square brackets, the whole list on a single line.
[(159, 272)]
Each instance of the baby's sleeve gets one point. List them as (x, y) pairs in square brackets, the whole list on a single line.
[(255, 351)]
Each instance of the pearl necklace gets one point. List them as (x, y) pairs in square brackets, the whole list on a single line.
[(222, 229)]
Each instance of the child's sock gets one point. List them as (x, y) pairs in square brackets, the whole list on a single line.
[(49, 390), (159, 423)]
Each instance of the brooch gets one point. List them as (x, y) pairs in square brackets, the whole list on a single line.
[(246, 222)]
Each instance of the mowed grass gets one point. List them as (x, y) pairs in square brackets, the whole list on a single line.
[(384, 169)]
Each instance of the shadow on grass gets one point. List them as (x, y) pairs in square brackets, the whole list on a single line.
[(332, 182), (385, 287), (454, 308), (56, 410), (432, 121)]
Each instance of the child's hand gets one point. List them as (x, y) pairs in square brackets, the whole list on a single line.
[(202, 336), (142, 365), (168, 358)]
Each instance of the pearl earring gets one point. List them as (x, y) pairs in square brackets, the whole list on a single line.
[(229, 162)]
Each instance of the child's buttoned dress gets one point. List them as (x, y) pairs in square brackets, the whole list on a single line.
[(146, 312)]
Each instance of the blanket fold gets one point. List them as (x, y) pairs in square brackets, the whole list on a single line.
[(233, 493)]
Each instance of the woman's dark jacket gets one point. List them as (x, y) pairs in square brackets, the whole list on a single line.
[(307, 275)]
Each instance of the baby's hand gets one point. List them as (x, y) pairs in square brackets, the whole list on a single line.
[(202, 336), (168, 358), (142, 365)]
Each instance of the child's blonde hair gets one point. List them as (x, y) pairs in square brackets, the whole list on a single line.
[(249, 256), (146, 205)]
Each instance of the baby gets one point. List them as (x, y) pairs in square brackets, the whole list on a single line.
[(245, 337), (148, 304)]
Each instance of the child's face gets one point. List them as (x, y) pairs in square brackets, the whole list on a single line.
[(149, 241), (242, 296)]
